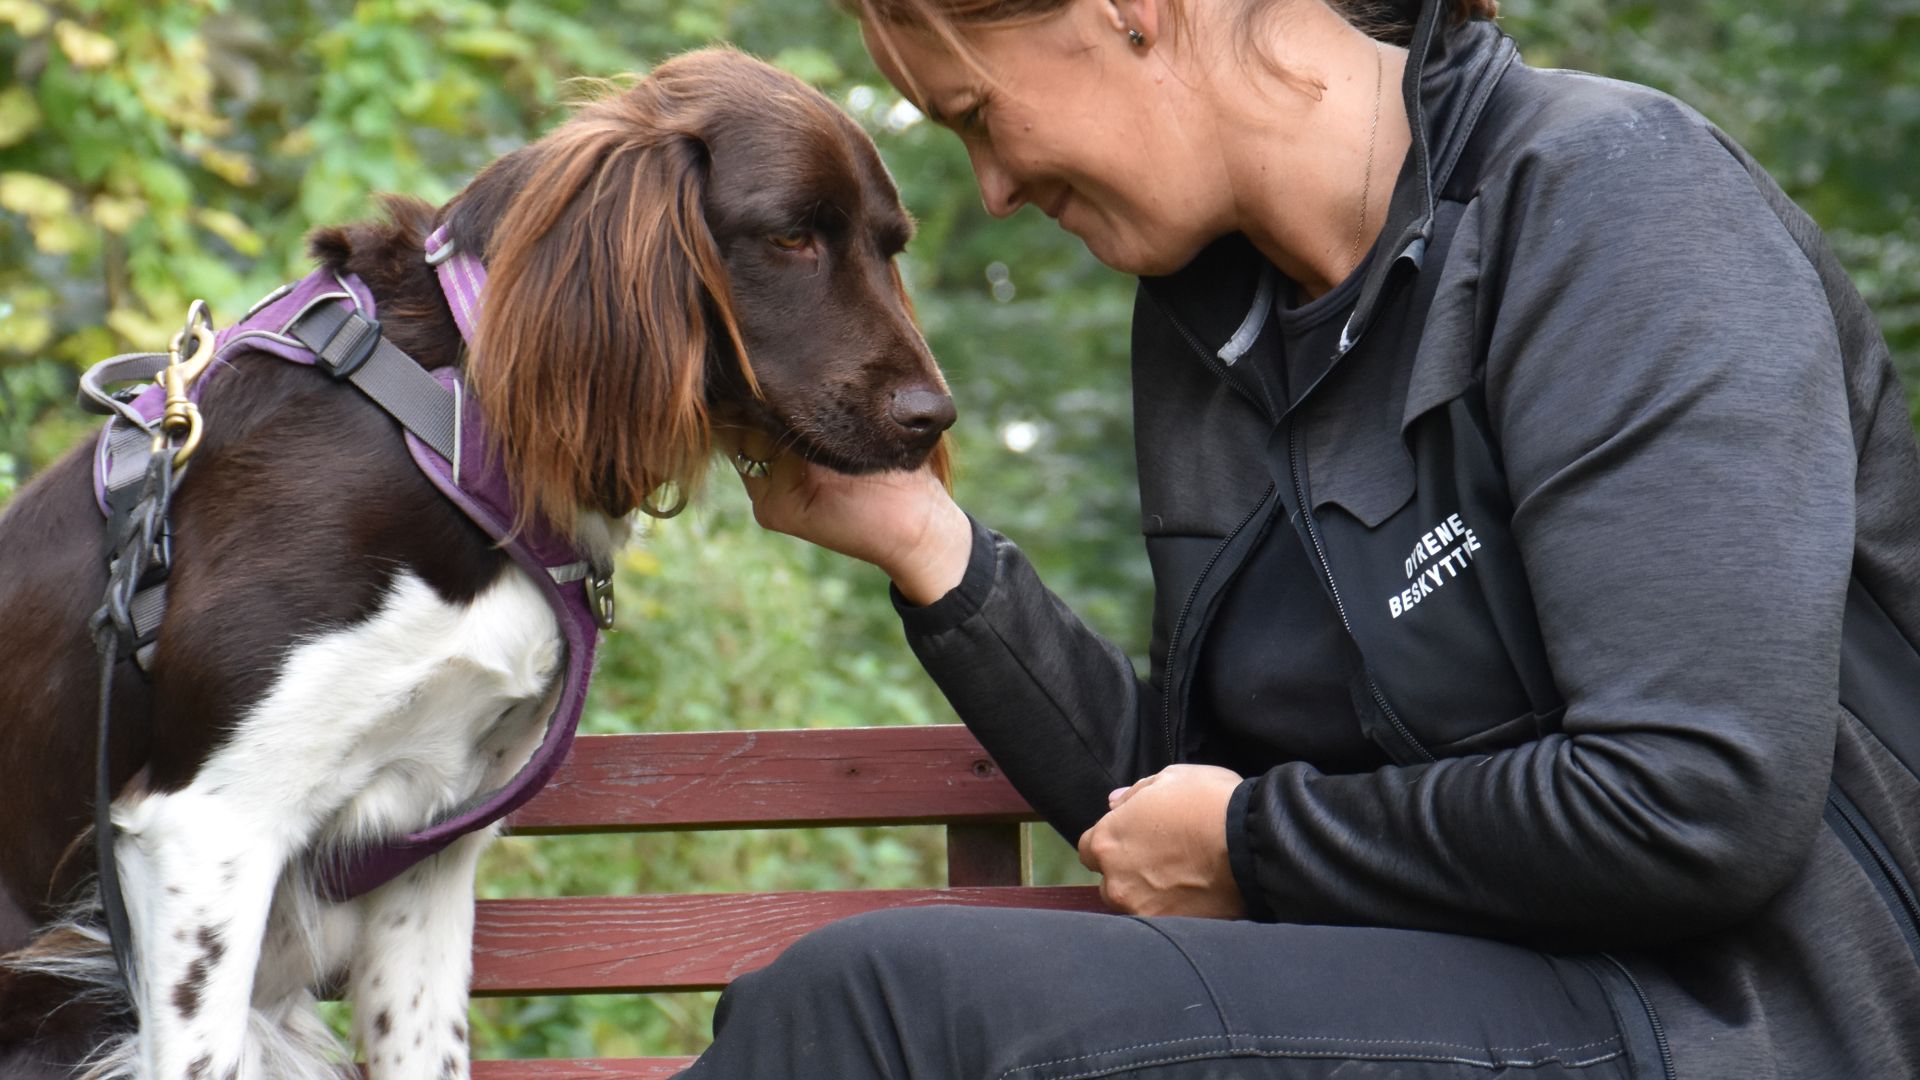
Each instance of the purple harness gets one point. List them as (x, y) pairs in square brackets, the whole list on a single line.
[(327, 321)]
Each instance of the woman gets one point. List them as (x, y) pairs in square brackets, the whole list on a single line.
[(1535, 523)]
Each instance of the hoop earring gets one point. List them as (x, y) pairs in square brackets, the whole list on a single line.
[(1135, 37)]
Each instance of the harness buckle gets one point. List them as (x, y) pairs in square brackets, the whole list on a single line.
[(356, 354)]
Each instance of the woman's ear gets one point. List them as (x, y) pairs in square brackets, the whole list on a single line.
[(1140, 15), (604, 292)]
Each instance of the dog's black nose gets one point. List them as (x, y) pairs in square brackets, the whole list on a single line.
[(922, 411)]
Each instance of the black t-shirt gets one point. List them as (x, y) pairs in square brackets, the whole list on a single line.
[(1277, 689)]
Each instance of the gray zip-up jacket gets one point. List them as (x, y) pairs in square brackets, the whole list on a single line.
[(1663, 702)]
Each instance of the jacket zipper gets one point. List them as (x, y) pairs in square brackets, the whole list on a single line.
[(1180, 624), (1326, 569), (1653, 1018), (1214, 363), (1875, 859)]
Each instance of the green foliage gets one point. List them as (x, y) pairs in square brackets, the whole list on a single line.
[(155, 152)]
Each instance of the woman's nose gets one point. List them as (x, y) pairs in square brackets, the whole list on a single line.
[(999, 192)]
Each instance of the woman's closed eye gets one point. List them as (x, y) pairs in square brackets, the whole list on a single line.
[(973, 121), (968, 119)]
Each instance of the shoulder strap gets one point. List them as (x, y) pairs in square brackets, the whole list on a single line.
[(347, 345)]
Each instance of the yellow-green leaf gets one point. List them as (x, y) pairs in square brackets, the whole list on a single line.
[(296, 143), (26, 319), (33, 195), (19, 115), (116, 213), (139, 327), (640, 561), (88, 50), (695, 25), (27, 17), (486, 43), (61, 234), (229, 165), (84, 346), (237, 233), (809, 63)]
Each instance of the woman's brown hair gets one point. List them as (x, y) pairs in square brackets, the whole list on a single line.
[(1391, 21)]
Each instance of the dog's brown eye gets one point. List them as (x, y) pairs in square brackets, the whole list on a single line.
[(792, 239)]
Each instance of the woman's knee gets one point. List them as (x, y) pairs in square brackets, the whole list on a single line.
[(854, 999), (845, 967), (857, 955)]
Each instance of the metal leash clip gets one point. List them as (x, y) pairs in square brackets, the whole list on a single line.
[(600, 596), (180, 426)]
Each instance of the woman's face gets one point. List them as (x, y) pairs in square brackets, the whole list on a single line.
[(1067, 115)]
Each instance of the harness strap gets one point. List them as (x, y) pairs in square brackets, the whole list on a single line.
[(350, 346), (462, 279), (125, 368)]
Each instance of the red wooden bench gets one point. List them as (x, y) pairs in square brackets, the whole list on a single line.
[(728, 780)]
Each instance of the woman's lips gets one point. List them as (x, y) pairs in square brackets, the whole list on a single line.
[(1059, 204)]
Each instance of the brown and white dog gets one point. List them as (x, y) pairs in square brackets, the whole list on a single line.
[(345, 655)]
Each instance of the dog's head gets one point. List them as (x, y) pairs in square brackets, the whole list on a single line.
[(712, 247)]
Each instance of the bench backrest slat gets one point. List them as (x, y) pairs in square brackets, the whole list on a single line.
[(746, 779)]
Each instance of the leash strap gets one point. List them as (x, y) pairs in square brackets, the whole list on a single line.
[(112, 902), (139, 557)]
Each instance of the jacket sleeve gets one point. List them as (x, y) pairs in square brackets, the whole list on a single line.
[(1057, 705), (1664, 379)]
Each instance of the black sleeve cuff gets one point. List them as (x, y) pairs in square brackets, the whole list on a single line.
[(961, 602), (1240, 852)]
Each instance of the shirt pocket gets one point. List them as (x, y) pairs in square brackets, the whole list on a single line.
[(1435, 593)]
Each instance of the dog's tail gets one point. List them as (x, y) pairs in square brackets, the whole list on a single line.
[(65, 1013)]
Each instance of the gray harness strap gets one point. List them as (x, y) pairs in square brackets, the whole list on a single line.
[(350, 346)]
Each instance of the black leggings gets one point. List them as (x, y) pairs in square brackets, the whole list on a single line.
[(984, 994)]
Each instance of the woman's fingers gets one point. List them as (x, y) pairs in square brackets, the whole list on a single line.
[(1121, 795)]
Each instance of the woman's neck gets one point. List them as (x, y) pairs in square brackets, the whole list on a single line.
[(1299, 157)]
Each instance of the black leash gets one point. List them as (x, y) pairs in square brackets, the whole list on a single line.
[(140, 555)]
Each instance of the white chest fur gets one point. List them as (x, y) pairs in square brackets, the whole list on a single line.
[(369, 730)]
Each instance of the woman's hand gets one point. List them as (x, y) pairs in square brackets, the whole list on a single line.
[(903, 522), (1162, 847)]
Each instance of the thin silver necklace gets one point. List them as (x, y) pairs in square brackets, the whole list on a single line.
[(1373, 131)]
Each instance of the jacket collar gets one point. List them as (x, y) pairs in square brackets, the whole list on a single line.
[(1451, 70)]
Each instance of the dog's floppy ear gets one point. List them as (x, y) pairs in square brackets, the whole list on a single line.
[(604, 289)]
